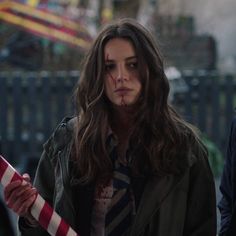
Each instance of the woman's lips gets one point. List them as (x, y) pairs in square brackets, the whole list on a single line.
[(122, 91)]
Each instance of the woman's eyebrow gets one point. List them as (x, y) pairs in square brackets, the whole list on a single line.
[(131, 58), (127, 59)]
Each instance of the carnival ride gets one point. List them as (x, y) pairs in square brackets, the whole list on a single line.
[(25, 24)]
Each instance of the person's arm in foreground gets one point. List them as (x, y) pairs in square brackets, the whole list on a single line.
[(226, 203)]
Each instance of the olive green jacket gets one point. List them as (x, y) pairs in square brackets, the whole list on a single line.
[(171, 205)]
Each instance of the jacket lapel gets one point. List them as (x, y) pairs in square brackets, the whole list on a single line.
[(155, 192)]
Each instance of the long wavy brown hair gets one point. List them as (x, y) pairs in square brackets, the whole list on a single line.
[(161, 140)]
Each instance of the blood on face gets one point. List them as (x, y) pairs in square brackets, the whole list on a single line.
[(114, 80)]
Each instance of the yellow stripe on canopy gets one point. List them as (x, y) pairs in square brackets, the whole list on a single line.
[(43, 15), (44, 30)]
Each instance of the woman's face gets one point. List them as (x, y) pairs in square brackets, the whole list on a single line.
[(122, 82)]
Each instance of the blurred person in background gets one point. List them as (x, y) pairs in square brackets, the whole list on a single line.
[(127, 164), (227, 204)]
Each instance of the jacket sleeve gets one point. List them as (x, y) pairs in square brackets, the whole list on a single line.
[(226, 187), (201, 203), (45, 174), (44, 183)]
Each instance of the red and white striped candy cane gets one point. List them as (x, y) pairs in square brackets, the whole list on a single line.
[(40, 209)]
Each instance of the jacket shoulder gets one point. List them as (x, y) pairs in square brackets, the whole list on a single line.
[(62, 135), (198, 150)]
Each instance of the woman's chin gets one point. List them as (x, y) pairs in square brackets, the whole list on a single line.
[(124, 105)]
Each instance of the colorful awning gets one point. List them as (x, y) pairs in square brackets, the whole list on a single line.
[(45, 23)]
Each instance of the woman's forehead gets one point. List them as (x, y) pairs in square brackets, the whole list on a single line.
[(119, 47)]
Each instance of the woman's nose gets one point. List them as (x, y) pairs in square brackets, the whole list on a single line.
[(122, 74)]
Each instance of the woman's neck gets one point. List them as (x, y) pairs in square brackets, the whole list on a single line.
[(122, 120)]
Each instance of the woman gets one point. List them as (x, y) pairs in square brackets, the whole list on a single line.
[(127, 164)]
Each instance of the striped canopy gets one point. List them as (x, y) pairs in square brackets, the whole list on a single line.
[(44, 22)]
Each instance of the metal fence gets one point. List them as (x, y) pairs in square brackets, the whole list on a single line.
[(209, 104), (32, 104)]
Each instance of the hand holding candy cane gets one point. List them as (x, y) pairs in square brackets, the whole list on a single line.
[(40, 210), (20, 195)]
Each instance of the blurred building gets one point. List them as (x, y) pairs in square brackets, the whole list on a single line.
[(214, 17), (181, 46)]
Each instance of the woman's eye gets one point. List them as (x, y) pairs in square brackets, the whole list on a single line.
[(109, 67), (133, 65)]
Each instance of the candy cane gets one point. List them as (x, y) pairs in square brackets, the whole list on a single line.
[(40, 209)]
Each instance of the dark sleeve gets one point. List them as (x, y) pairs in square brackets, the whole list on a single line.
[(5, 221), (201, 204), (226, 187), (44, 183)]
